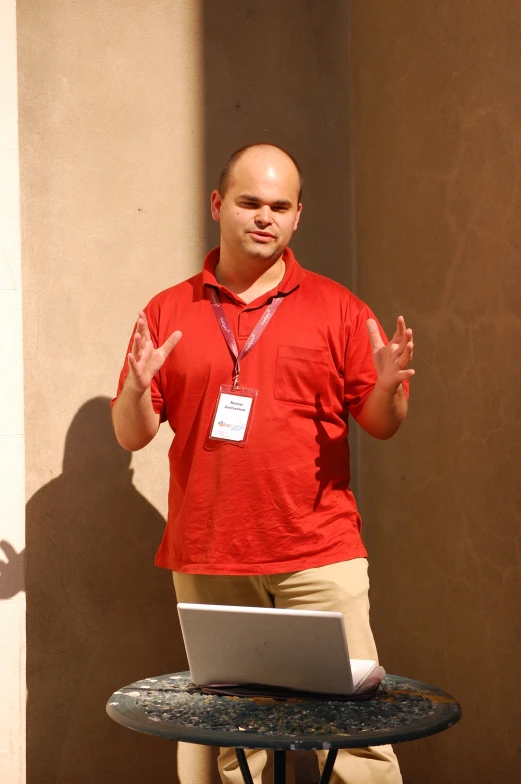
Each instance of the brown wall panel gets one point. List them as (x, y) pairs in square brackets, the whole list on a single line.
[(437, 121), (279, 72)]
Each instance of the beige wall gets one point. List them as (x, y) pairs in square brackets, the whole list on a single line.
[(435, 89), (111, 172), (12, 535)]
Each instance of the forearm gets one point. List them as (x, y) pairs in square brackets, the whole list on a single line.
[(135, 421), (383, 411)]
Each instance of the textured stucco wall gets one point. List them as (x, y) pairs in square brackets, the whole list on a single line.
[(111, 177), (128, 109), (435, 97), (12, 535)]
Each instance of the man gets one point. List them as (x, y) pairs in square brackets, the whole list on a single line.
[(256, 363)]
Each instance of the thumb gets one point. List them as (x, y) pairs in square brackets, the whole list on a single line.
[(374, 334), (171, 342)]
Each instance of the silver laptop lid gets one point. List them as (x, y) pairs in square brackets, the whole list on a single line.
[(297, 649)]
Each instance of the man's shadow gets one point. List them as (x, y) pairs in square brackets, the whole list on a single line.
[(99, 614), (12, 571)]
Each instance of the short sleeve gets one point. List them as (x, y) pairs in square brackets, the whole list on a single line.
[(360, 374), (158, 402)]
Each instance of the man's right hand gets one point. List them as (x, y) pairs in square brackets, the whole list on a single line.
[(135, 420), (144, 361)]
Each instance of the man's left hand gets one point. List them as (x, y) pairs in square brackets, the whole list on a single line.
[(391, 361)]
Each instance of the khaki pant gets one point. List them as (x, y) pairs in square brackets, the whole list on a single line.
[(341, 587)]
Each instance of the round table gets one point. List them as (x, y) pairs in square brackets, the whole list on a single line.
[(172, 707)]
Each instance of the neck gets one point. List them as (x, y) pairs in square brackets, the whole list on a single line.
[(249, 279)]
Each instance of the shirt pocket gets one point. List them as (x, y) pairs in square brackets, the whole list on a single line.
[(302, 376)]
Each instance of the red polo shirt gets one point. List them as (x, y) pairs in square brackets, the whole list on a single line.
[(282, 502)]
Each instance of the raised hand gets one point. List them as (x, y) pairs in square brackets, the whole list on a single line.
[(391, 361), (144, 361)]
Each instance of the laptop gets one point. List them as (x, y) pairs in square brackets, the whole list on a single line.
[(303, 650)]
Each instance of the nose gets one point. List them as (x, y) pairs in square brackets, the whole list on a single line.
[(263, 216)]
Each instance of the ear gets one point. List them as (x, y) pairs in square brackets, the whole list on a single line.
[(297, 217), (215, 205)]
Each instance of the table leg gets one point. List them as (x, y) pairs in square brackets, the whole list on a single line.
[(279, 767), (328, 767), (243, 765)]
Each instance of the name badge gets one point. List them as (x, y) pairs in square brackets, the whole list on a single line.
[(233, 413)]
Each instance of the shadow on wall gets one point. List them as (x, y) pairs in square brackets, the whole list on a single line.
[(12, 577), (285, 82), (99, 614)]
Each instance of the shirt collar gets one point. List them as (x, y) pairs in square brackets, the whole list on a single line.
[(293, 276)]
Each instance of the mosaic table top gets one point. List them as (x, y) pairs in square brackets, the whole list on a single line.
[(171, 706)]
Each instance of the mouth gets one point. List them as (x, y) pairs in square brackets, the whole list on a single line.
[(261, 236)]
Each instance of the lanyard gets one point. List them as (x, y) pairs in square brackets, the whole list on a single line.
[(260, 326)]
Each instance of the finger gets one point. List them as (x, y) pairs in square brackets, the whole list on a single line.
[(146, 353), (374, 335), (404, 353), (146, 330), (133, 365), (171, 342), (140, 325), (406, 356), (405, 338), (403, 375), (403, 334), (137, 346), (143, 325), (399, 331)]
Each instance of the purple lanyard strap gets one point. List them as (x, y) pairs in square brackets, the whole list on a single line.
[(229, 336)]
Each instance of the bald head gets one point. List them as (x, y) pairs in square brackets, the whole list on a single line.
[(267, 154), (257, 204)]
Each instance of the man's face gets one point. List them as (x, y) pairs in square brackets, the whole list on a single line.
[(260, 209)]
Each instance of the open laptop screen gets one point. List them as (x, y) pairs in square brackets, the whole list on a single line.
[(295, 649)]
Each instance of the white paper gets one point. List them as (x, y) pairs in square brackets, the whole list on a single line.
[(231, 418)]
